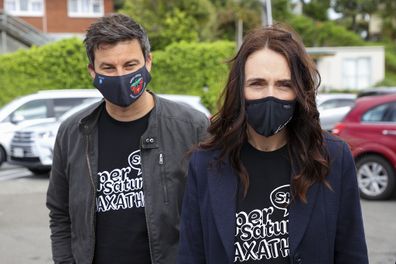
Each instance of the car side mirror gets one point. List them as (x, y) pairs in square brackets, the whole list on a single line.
[(15, 119)]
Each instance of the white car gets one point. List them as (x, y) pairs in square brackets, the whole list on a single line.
[(333, 107), (32, 147), (37, 108)]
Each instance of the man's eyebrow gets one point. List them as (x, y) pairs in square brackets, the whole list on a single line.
[(132, 61)]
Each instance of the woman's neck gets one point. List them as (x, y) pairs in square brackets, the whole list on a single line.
[(268, 144)]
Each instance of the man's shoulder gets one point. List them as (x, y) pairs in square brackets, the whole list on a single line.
[(73, 121)]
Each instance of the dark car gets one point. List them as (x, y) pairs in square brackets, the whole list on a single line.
[(377, 91), (370, 130)]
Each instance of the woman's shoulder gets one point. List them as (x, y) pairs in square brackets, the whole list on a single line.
[(201, 155), (333, 143)]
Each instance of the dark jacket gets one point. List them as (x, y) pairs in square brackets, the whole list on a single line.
[(327, 229), (172, 129)]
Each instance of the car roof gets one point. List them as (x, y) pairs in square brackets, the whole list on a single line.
[(365, 103), (47, 94), (376, 91), (321, 97)]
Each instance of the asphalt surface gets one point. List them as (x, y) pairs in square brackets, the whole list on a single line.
[(24, 231)]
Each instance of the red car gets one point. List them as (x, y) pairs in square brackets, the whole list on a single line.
[(370, 130)]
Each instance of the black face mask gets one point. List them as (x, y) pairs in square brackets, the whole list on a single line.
[(123, 90), (269, 115)]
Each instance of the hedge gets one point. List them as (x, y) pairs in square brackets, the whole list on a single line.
[(183, 68), (57, 65)]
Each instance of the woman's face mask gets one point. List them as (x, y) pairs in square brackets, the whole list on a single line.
[(269, 115)]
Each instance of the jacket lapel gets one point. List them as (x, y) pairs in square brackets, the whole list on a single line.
[(223, 192), (300, 214)]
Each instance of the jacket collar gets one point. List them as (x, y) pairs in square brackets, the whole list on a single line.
[(223, 192), (149, 138)]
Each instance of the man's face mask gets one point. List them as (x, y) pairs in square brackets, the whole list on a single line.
[(269, 115), (123, 90)]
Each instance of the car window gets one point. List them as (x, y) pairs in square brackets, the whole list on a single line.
[(333, 103), (31, 110), (381, 113), (62, 105), (390, 115)]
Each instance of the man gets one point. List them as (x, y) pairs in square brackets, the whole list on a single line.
[(119, 167)]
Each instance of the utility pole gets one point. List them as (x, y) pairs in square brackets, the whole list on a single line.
[(266, 13)]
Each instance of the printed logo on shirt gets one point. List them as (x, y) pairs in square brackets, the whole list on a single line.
[(120, 189), (261, 237)]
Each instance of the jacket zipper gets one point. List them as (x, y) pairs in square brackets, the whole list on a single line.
[(93, 194), (145, 212), (163, 180)]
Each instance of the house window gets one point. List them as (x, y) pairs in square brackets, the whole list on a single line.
[(24, 7), (85, 8), (356, 72)]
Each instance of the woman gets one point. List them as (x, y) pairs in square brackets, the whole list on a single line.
[(269, 186)]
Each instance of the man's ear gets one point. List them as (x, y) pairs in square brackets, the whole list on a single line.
[(91, 70), (149, 61)]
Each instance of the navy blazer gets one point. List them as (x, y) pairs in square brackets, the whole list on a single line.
[(327, 229)]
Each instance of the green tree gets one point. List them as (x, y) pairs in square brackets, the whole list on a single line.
[(387, 11), (230, 11), (316, 9), (356, 14), (189, 20)]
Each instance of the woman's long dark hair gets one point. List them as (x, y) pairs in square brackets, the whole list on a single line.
[(228, 129)]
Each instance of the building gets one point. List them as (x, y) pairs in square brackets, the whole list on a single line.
[(352, 68), (48, 19)]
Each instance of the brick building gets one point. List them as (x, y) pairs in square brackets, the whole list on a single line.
[(58, 16)]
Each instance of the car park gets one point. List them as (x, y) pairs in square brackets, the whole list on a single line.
[(36, 108), (333, 107), (376, 91), (32, 146), (370, 130)]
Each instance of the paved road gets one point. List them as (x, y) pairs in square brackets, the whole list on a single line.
[(24, 232)]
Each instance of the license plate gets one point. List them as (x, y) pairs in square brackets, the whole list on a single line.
[(18, 152)]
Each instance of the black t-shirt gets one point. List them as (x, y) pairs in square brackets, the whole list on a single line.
[(121, 230), (262, 216)]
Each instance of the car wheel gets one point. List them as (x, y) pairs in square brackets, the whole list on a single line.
[(40, 171), (376, 178), (3, 155)]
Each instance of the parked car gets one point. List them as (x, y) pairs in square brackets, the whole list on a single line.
[(191, 100), (32, 147), (37, 108), (370, 130), (333, 107), (377, 91)]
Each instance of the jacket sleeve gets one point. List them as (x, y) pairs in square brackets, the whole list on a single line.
[(58, 204), (350, 241), (203, 129), (191, 249)]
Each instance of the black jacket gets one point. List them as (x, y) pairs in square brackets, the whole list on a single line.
[(328, 229), (172, 129)]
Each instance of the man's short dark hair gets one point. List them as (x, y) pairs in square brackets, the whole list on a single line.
[(112, 29)]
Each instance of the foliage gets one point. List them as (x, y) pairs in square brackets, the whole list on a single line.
[(316, 34), (169, 21), (228, 12), (189, 68), (182, 68), (58, 65), (316, 9)]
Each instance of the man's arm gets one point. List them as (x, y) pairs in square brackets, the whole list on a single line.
[(58, 204)]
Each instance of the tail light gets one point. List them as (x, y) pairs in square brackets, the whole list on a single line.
[(339, 127)]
